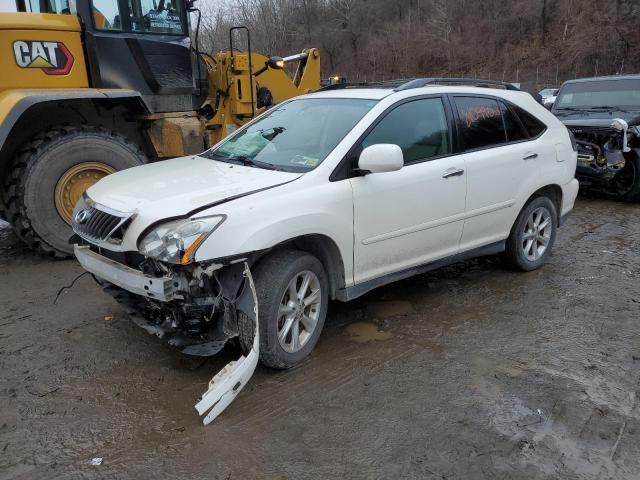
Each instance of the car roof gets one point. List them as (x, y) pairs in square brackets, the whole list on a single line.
[(608, 77), (380, 93)]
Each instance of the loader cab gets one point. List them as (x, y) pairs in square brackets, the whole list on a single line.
[(138, 45)]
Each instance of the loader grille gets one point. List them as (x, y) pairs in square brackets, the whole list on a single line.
[(97, 225)]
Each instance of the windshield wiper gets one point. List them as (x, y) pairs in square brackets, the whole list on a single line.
[(250, 162), (607, 108), (242, 160)]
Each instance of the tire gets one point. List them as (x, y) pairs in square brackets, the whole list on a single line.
[(626, 183), (272, 277), (30, 193), (526, 256)]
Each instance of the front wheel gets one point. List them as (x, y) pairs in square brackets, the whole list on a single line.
[(533, 235), (292, 291), (626, 183)]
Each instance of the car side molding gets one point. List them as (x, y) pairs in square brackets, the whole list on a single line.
[(355, 291)]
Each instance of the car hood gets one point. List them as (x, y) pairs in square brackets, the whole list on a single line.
[(596, 119), (177, 187)]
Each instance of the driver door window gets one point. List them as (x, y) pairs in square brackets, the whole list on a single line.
[(419, 127)]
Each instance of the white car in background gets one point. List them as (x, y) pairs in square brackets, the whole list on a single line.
[(548, 96), (326, 196)]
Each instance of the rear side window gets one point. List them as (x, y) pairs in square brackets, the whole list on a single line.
[(515, 133), (533, 126), (481, 122), (419, 127)]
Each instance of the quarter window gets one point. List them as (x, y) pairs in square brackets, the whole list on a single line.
[(512, 125), (533, 126), (418, 127), (481, 122)]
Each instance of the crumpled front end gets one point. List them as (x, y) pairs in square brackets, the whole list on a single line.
[(600, 151), (193, 307), (608, 155)]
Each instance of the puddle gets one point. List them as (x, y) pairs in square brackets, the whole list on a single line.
[(390, 308), (363, 332)]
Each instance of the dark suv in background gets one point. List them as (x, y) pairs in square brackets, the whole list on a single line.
[(603, 113)]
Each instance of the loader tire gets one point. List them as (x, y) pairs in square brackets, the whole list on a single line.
[(48, 174)]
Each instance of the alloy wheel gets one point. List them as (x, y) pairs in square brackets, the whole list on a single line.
[(299, 311), (537, 234)]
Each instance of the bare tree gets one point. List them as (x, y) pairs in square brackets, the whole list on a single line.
[(541, 40)]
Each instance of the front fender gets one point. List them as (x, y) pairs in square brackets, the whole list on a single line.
[(262, 221), (14, 103)]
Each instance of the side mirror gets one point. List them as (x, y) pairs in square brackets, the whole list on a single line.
[(622, 126), (380, 158)]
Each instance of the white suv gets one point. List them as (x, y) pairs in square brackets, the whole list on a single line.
[(326, 196)]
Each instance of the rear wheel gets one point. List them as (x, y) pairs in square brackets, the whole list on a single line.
[(50, 174), (533, 235), (292, 290)]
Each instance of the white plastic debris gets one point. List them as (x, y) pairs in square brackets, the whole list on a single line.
[(228, 382), (97, 461)]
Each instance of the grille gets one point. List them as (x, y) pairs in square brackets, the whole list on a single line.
[(96, 224)]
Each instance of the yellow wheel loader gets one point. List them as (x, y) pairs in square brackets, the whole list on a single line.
[(88, 87)]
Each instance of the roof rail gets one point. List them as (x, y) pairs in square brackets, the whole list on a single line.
[(406, 84), (474, 82), (381, 84)]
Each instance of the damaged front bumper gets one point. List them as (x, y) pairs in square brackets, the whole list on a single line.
[(162, 288), (194, 309)]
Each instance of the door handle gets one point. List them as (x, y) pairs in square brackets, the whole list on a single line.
[(530, 156), (453, 172)]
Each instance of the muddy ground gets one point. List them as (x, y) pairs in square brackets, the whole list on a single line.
[(473, 371)]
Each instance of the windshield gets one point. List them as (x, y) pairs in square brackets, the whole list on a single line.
[(548, 91), (295, 136), (601, 93)]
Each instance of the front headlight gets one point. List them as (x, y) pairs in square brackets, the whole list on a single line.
[(177, 242)]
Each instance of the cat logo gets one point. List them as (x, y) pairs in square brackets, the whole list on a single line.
[(54, 58)]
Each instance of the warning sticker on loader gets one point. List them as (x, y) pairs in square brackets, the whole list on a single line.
[(53, 58)]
